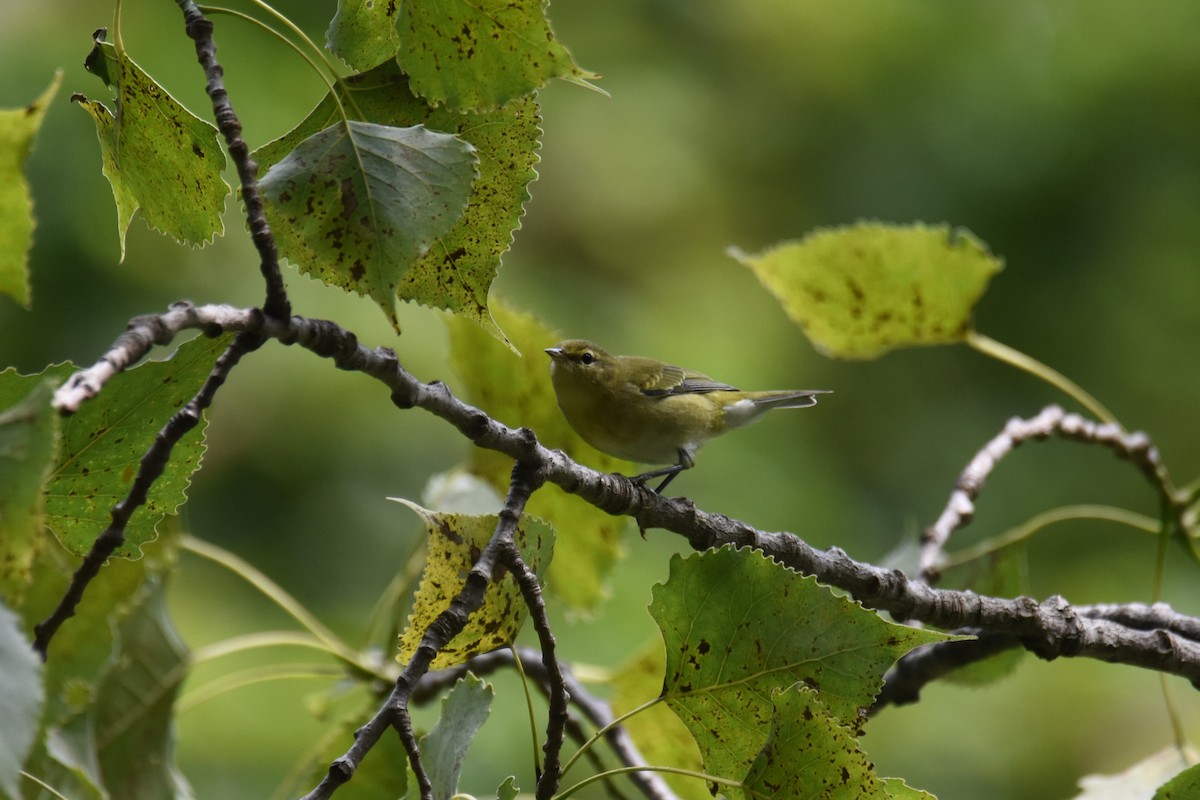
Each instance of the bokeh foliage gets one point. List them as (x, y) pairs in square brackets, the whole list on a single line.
[(1076, 162)]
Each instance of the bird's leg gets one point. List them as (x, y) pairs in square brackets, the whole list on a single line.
[(670, 472), (685, 462)]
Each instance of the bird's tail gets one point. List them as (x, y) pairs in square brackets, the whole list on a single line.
[(748, 409)]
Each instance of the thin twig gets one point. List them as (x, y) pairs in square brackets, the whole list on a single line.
[(597, 711), (1051, 421)]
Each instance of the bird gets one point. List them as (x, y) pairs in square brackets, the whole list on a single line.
[(644, 410)]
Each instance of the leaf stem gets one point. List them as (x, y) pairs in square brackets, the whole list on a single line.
[(600, 733), (1034, 524), (249, 677), (669, 770), (274, 592), (1022, 361), (533, 734)]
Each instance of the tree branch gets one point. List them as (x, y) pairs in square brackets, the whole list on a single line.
[(199, 29), (152, 464), (1050, 629), (394, 711), (1051, 421), (597, 711)]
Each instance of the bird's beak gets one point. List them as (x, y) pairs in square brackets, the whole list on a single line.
[(554, 352)]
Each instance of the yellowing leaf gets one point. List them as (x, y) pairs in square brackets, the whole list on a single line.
[(457, 271), (516, 390), (738, 627), (454, 544), (479, 55), (18, 127), (860, 291), (157, 155), (357, 203)]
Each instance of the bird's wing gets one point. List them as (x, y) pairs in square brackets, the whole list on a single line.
[(667, 379)]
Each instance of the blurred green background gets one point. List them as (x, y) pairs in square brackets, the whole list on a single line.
[(1065, 134)]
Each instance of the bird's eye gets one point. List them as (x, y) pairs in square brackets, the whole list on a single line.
[(587, 357)]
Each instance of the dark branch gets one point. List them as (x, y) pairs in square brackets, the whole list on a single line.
[(445, 627), (153, 462), (199, 29), (922, 666), (1049, 629), (597, 712)]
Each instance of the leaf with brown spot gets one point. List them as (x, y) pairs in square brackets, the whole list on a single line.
[(357, 203), (766, 628), (862, 290), (457, 270), (158, 156), (480, 55), (454, 544)]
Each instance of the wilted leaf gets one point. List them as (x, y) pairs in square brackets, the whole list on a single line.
[(738, 627), (464, 711), (516, 390), (480, 55), (133, 715), (458, 269), (21, 700), (18, 127), (158, 156), (860, 291), (357, 203), (363, 32), (454, 544), (27, 435)]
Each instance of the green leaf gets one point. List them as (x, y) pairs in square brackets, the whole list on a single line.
[(157, 155), (18, 127), (27, 435), (508, 790), (67, 755), (133, 712), (455, 541), (357, 203), (21, 699), (898, 789), (1184, 786), (738, 627), (363, 32), (458, 269), (516, 390), (860, 291), (464, 710), (659, 734), (479, 55), (809, 753), (102, 444)]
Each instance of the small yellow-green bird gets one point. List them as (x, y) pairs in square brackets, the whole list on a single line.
[(643, 410)]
